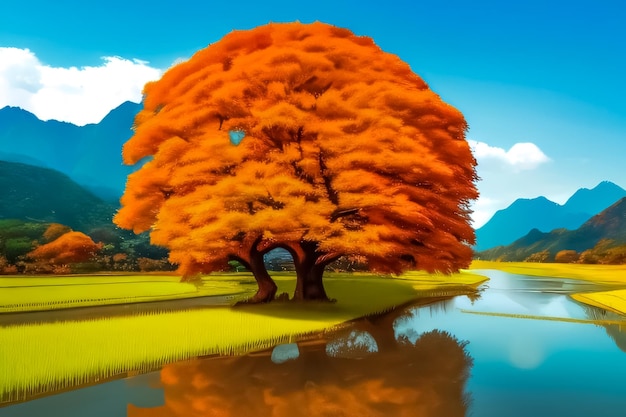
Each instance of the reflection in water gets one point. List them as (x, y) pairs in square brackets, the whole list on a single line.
[(534, 352), (359, 371), (617, 332)]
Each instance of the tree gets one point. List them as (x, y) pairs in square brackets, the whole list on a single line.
[(305, 137), (70, 247), (542, 256), (606, 251), (566, 256), (54, 231)]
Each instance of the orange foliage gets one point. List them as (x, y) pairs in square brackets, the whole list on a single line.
[(54, 231), (69, 248), (343, 145), (6, 268), (424, 379), (566, 256), (119, 257)]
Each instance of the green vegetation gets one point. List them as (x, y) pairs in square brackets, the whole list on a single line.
[(20, 294), (101, 348), (17, 237), (119, 251), (44, 195)]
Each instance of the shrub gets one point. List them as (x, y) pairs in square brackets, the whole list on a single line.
[(566, 256), (72, 247), (54, 231), (542, 256)]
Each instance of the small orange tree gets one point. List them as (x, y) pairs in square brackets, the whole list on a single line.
[(54, 231), (70, 247), (306, 137), (566, 256)]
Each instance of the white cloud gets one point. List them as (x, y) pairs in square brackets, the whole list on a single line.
[(501, 182), (521, 156), (77, 95), (483, 209)]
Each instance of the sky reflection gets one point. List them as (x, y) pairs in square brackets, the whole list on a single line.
[(526, 366)]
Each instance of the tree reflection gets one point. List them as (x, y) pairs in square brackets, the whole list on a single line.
[(362, 370)]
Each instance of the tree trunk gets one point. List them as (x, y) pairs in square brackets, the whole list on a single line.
[(309, 284), (267, 286), (309, 273)]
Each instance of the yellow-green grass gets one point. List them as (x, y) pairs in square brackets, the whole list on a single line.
[(614, 300), (602, 274), (21, 294), (50, 356), (611, 275), (424, 280)]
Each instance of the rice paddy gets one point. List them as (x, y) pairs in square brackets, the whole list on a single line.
[(43, 357), (21, 294), (603, 274), (609, 300)]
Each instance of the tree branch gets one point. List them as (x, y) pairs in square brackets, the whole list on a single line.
[(328, 258), (330, 191), (342, 213), (269, 201)]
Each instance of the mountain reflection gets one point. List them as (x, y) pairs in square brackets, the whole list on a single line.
[(361, 371)]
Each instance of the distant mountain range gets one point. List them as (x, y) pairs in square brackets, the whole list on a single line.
[(90, 154), (608, 224), (524, 215), (44, 195)]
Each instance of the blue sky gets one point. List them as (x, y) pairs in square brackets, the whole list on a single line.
[(541, 83)]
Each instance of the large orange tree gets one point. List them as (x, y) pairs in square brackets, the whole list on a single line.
[(305, 137)]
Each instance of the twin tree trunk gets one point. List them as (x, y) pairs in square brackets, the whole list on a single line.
[(267, 286), (309, 265), (309, 272)]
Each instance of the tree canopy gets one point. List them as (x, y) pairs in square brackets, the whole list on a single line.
[(306, 137), (69, 247)]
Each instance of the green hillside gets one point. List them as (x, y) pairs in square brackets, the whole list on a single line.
[(44, 195)]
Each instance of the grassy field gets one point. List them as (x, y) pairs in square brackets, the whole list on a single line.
[(21, 294), (612, 275), (605, 274), (41, 357), (614, 300)]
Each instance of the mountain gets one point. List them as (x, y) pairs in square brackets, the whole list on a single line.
[(45, 195), (90, 154), (608, 224), (595, 200), (523, 215)]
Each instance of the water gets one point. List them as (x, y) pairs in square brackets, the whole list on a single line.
[(522, 349), (533, 367)]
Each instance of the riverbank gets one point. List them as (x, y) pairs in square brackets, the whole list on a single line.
[(610, 275), (44, 293), (85, 350)]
